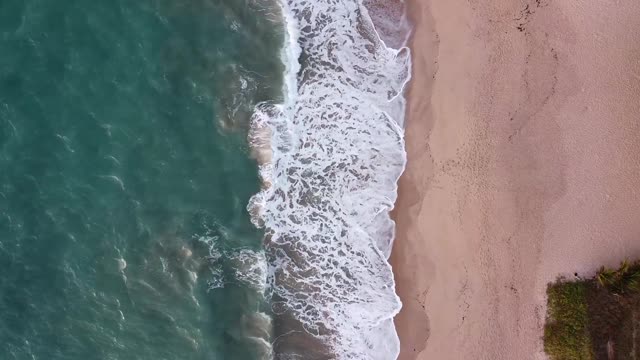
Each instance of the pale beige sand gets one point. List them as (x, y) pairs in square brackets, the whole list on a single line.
[(523, 141)]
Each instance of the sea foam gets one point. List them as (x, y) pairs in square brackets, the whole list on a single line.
[(330, 171)]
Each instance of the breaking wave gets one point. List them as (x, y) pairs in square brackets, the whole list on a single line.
[(330, 158), (247, 268)]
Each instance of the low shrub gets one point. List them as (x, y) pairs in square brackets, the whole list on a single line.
[(566, 335)]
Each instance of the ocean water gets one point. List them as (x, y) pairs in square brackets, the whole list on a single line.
[(125, 173), (201, 179)]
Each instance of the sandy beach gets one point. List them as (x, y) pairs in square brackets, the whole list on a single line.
[(523, 143)]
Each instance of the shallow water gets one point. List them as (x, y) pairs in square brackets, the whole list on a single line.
[(125, 174)]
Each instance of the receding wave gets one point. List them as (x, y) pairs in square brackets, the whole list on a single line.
[(330, 157)]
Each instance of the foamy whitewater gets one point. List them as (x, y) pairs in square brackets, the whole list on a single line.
[(331, 157)]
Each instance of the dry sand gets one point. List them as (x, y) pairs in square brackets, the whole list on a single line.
[(523, 141)]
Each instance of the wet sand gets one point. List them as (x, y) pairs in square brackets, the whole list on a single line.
[(523, 142)]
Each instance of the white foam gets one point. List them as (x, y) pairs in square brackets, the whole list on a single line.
[(336, 154), (250, 268)]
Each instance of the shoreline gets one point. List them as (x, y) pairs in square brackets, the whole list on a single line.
[(412, 323), (522, 141)]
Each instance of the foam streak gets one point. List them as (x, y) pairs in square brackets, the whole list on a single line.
[(336, 153)]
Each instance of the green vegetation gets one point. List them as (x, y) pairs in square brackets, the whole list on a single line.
[(597, 318), (625, 279), (566, 335)]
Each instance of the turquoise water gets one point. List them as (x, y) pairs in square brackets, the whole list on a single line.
[(125, 175)]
